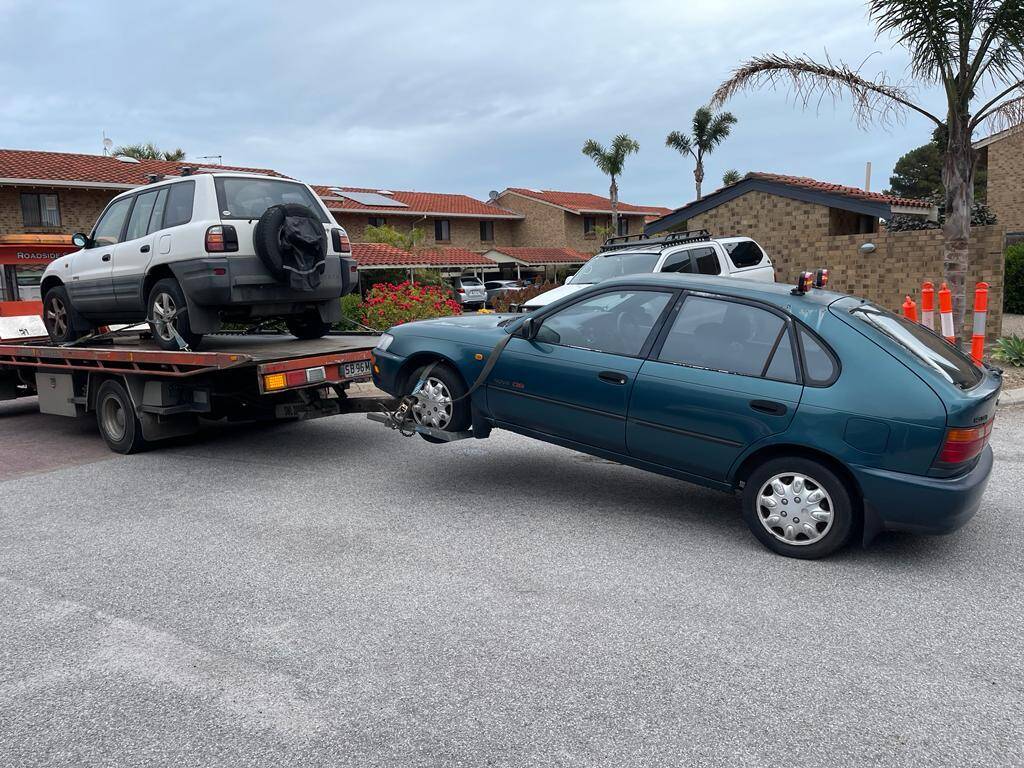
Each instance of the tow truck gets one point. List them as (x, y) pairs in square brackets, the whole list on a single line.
[(141, 394)]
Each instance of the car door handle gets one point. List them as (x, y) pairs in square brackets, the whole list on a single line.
[(105, 257), (144, 249), (768, 406), (612, 377)]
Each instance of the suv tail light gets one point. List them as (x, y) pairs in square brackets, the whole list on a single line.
[(221, 239), (340, 241), (962, 444)]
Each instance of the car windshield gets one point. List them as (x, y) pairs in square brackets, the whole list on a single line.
[(926, 346), (470, 281), (247, 198), (602, 266)]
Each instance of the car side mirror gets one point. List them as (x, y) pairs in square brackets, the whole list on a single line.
[(80, 240), (568, 280), (528, 330)]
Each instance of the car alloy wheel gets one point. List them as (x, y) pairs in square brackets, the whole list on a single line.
[(57, 314), (434, 404), (795, 509), (165, 312)]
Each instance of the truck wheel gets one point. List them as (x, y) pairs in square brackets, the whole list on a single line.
[(441, 407), (307, 326), (116, 418), (798, 507), (59, 316), (167, 313)]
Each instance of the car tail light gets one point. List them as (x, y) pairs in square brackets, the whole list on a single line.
[(340, 241), (962, 444), (462, 290), (221, 239)]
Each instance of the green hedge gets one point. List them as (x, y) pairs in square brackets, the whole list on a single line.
[(1013, 303)]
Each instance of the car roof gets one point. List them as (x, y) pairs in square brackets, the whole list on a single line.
[(660, 248), (778, 294), (198, 174)]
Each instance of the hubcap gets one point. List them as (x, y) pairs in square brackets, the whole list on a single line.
[(433, 407), (165, 313), (113, 417), (57, 314), (795, 509)]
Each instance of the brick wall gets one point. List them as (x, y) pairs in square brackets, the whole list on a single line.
[(795, 235), (465, 233), (546, 226), (79, 209), (1005, 186)]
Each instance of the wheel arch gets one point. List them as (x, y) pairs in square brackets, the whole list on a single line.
[(49, 282), (777, 450), (420, 359), (155, 273)]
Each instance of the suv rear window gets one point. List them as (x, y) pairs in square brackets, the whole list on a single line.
[(929, 348), (744, 253), (244, 198), (469, 281)]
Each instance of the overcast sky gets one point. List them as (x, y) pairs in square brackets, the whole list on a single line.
[(439, 96)]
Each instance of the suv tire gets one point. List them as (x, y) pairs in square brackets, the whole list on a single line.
[(798, 507), (60, 318), (307, 326), (166, 312)]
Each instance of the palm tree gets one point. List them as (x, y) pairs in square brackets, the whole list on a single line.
[(709, 130), (730, 177), (611, 162), (149, 151), (962, 46)]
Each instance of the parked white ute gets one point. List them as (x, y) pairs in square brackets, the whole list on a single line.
[(694, 252)]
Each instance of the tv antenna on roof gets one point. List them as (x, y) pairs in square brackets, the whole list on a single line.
[(107, 144), (218, 158)]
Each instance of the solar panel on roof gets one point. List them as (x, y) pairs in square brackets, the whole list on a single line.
[(373, 199)]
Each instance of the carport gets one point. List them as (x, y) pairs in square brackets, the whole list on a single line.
[(451, 262), (543, 262)]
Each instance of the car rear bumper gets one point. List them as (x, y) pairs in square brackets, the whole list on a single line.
[(232, 280), (895, 501)]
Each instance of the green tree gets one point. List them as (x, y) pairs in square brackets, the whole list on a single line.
[(149, 151), (407, 241), (611, 162), (730, 177), (962, 46), (918, 174), (709, 130)]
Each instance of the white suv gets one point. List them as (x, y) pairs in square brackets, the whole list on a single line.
[(694, 252), (189, 253)]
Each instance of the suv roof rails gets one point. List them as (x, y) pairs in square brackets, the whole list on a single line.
[(673, 238)]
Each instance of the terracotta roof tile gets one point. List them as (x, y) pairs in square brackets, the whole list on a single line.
[(838, 189), (416, 203), (99, 169), (545, 255), (584, 202), (381, 254)]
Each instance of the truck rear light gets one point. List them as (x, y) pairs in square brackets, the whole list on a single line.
[(340, 241), (299, 378), (962, 444), (221, 239)]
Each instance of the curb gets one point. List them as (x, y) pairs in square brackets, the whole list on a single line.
[(1011, 397)]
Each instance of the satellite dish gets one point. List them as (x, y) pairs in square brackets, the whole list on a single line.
[(493, 194)]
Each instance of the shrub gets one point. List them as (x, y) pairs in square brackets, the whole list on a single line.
[(351, 309), (504, 300), (1009, 349), (1013, 281), (388, 304)]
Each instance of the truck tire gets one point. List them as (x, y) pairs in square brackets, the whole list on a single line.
[(167, 309), (116, 418), (446, 407), (60, 318), (307, 326)]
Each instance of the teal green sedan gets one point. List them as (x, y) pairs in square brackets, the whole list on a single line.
[(832, 418)]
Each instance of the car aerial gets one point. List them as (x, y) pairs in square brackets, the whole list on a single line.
[(834, 418), (496, 288), (694, 252), (469, 292), (187, 254)]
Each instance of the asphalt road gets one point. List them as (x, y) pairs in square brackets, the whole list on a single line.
[(330, 593)]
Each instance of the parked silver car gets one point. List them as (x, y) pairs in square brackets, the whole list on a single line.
[(497, 287), (469, 292)]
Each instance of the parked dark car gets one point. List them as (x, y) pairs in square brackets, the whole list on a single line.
[(832, 417)]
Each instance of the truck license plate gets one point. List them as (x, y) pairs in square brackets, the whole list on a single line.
[(354, 370)]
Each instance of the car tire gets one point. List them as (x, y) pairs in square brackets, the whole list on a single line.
[(60, 318), (307, 326), (166, 308), (448, 384), (798, 507), (116, 418)]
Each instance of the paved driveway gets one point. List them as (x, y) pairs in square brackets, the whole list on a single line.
[(330, 593)]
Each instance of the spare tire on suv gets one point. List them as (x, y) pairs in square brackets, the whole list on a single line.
[(290, 240)]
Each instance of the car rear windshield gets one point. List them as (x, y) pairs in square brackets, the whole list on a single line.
[(928, 347), (470, 281), (602, 267), (244, 198)]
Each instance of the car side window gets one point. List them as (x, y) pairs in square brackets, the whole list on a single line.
[(618, 322), (818, 364), (707, 261), (138, 223), (156, 219), (678, 262), (180, 198), (111, 224), (744, 253), (728, 336)]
